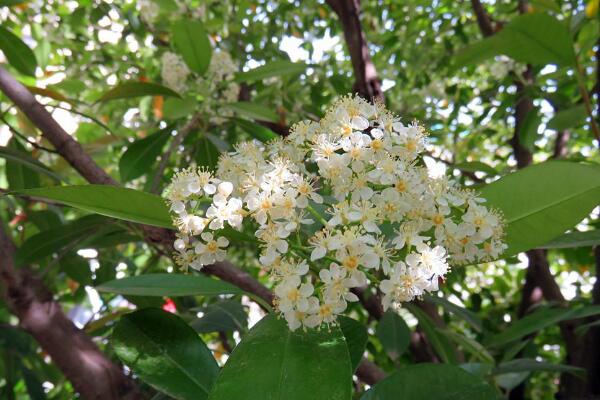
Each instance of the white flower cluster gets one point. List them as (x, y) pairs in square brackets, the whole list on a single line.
[(219, 86), (149, 11), (174, 71), (336, 205)]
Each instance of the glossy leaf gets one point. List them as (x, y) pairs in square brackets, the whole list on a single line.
[(191, 41), (207, 154), (18, 54), (575, 239), (166, 353), (19, 174), (476, 166), (224, 316), (528, 364), (470, 345), (393, 333), (543, 201), (170, 285), (53, 240), (130, 89), (356, 336), (271, 69), (21, 157), (279, 364), (569, 118), (116, 202), (461, 312), (431, 381), (141, 155), (254, 111), (539, 320), (255, 130)]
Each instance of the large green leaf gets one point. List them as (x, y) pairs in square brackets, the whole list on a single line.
[(475, 166), (539, 39), (271, 69), (127, 90), (191, 41), (543, 201), (254, 111), (575, 239), (112, 201), (536, 38), (166, 353), (141, 155), (356, 338), (271, 362), (18, 54), (393, 333), (470, 345), (431, 381), (539, 320), (168, 285)]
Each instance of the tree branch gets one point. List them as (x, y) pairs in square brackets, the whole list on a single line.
[(92, 374), (366, 83), (483, 19)]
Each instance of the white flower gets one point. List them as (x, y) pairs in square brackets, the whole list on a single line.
[(337, 283), (211, 250), (174, 71)]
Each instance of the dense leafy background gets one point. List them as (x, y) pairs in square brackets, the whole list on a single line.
[(96, 66)]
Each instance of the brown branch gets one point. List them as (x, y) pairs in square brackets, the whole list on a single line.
[(92, 374), (483, 19), (366, 83)]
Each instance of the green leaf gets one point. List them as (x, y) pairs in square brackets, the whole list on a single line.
[(459, 311), (141, 155), (574, 239), (170, 285), (528, 364), (442, 346), (207, 154), (477, 52), (271, 69), (191, 41), (272, 362), (177, 108), (130, 89), (112, 201), (253, 111), (255, 130), (18, 173), (53, 240), (225, 316), (529, 130), (356, 336), (18, 54), (22, 157), (569, 118), (476, 166), (538, 39), (469, 345), (431, 381), (543, 201), (539, 320), (393, 333), (166, 353)]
